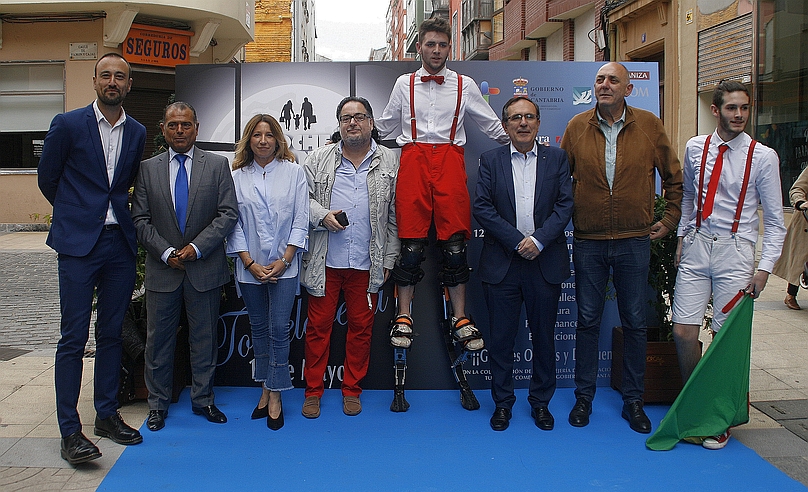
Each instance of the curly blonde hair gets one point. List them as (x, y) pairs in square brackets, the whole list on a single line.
[(244, 154)]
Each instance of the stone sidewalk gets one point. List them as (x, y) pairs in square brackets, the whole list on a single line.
[(29, 327)]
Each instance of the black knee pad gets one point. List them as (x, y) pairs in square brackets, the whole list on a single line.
[(455, 269), (407, 270)]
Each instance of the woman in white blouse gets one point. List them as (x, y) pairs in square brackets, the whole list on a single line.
[(273, 205)]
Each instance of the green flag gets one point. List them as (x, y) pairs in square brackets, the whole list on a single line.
[(716, 396)]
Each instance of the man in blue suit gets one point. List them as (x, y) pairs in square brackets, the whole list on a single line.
[(89, 160), (524, 202)]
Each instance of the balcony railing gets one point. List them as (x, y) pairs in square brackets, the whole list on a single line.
[(476, 44), (474, 10), (440, 5)]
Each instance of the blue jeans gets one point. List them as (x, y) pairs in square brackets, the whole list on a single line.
[(628, 260), (269, 306)]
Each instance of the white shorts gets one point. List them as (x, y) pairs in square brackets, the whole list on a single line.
[(715, 265)]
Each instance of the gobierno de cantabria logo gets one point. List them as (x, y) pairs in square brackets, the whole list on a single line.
[(581, 95)]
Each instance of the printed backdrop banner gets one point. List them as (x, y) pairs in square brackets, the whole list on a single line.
[(304, 97)]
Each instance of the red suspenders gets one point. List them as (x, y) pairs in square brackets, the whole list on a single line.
[(456, 113), (744, 186)]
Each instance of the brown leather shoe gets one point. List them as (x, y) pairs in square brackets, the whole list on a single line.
[(791, 302), (311, 407), (351, 405)]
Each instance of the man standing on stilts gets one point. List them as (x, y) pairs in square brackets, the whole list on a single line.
[(426, 113)]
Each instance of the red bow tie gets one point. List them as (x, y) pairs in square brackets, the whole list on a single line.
[(436, 78)]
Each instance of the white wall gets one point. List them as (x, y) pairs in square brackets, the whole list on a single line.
[(584, 48), (555, 46)]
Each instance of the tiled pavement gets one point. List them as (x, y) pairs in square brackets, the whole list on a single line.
[(29, 436)]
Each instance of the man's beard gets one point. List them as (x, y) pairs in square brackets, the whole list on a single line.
[(111, 101), (354, 141)]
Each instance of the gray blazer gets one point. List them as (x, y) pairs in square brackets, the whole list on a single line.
[(212, 213)]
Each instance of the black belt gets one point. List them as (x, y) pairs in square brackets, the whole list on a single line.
[(111, 227)]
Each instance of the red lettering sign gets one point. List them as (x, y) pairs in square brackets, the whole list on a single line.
[(149, 45)]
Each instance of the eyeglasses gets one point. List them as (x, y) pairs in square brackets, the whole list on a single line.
[(517, 118), (359, 117)]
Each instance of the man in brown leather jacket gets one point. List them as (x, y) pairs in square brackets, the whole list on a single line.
[(613, 151)]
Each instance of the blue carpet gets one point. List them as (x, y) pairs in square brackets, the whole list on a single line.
[(436, 445)]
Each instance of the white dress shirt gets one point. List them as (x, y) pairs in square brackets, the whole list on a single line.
[(111, 143), (434, 111), (523, 167), (764, 188)]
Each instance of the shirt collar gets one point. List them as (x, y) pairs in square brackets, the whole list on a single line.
[(742, 140), (99, 116), (534, 150), (422, 71), (172, 153), (601, 119), (372, 150)]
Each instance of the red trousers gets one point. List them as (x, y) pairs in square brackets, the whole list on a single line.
[(432, 183), (322, 310)]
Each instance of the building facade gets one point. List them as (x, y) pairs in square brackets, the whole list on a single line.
[(48, 52), (303, 34), (782, 84)]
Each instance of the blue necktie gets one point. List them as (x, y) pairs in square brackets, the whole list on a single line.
[(181, 192)]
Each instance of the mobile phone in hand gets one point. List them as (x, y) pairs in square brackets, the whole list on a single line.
[(342, 218)]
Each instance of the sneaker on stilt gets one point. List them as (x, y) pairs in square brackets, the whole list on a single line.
[(401, 332), (466, 333)]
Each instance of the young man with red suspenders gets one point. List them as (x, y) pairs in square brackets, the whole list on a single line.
[(426, 114), (726, 175)]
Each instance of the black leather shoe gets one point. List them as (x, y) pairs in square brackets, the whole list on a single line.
[(156, 420), (116, 429), (543, 418), (501, 419), (636, 417), (77, 449), (579, 415), (260, 412), (211, 413)]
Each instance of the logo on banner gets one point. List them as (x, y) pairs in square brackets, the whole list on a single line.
[(640, 92), (581, 95), (487, 91), (520, 87), (639, 75)]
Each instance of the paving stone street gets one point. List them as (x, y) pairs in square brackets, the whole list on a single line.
[(29, 296)]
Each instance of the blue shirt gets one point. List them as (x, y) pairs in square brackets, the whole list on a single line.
[(350, 248), (273, 208), (611, 132)]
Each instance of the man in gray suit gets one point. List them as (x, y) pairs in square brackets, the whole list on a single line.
[(184, 206)]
